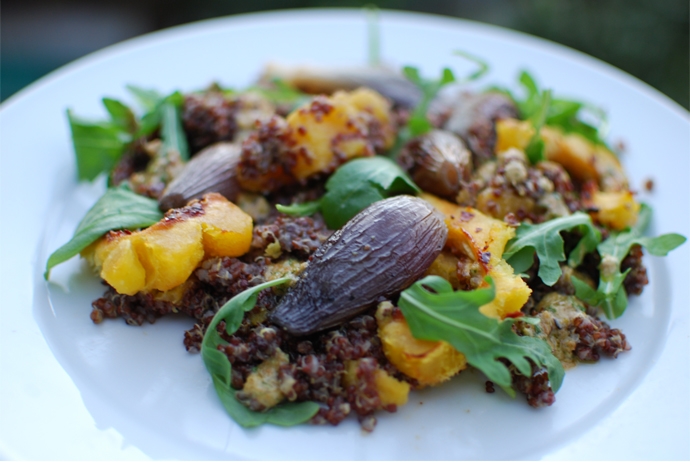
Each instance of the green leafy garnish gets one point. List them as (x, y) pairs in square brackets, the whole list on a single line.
[(535, 148), (610, 295), (280, 92), (535, 107), (172, 134), (217, 364), (531, 102), (150, 100), (545, 239), (98, 145), (564, 113), (482, 66), (435, 312), (567, 115), (418, 124), (121, 115), (118, 208), (358, 184), (300, 210), (146, 97), (373, 35), (164, 112), (355, 186)]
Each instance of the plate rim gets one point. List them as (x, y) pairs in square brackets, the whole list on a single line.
[(104, 54), (197, 26)]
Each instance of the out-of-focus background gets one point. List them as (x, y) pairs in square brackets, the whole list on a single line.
[(646, 38)]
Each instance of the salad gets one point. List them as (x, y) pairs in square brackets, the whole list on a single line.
[(339, 238)]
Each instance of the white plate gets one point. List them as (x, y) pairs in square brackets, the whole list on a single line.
[(72, 389)]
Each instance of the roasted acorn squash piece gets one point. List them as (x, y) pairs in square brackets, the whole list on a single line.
[(482, 238), (617, 210), (164, 255), (581, 158), (391, 390), (331, 130), (430, 363)]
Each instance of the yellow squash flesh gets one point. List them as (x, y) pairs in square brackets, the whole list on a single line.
[(513, 133), (390, 390), (581, 158), (164, 255), (430, 363), (329, 131), (483, 239), (616, 210)]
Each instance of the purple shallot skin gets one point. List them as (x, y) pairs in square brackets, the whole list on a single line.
[(381, 251)]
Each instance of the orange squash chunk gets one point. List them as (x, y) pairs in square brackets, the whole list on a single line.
[(617, 210), (483, 238), (122, 268), (581, 158), (390, 390), (584, 160), (164, 255), (169, 252), (513, 133), (331, 130), (226, 228), (429, 362)]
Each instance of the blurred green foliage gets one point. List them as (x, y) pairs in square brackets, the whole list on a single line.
[(646, 38)]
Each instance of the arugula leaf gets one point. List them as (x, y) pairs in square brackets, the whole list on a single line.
[(147, 98), (118, 208), (564, 113), (567, 115), (546, 241), (172, 133), (418, 124), (164, 112), (355, 186), (219, 367), (434, 312), (300, 210), (149, 123), (97, 145), (610, 295), (483, 66), (121, 115), (280, 92), (346, 201), (530, 104), (535, 148), (151, 101), (536, 107), (358, 184)]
